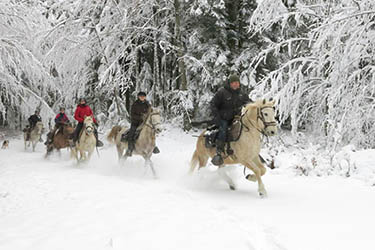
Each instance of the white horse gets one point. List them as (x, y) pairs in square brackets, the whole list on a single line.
[(257, 118), (86, 143), (145, 143), (35, 135)]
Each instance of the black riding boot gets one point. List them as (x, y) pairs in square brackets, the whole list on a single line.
[(131, 147), (217, 160), (49, 138), (98, 142), (156, 150)]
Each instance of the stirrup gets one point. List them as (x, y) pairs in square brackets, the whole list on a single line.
[(217, 160)]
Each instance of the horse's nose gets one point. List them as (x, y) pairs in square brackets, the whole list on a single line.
[(272, 132)]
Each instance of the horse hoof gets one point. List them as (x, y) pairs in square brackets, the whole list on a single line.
[(251, 177), (263, 194), (232, 187)]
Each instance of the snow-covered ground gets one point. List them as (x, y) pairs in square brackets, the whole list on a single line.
[(53, 204)]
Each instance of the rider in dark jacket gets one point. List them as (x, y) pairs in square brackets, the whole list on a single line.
[(60, 120), (138, 110), (33, 119), (225, 105)]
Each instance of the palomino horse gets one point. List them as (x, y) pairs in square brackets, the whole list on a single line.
[(257, 118), (146, 141), (86, 143), (35, 135), (60, 139)]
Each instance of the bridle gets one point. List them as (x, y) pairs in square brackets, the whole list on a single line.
[(153, 125), (260, 116), (89, 126)]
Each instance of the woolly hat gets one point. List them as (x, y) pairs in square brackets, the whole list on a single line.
[(234, 78), (141, 93)]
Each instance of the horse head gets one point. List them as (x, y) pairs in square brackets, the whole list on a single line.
[(264, 115), (267, 116), (154, 120), (88, 123), (38, 128)]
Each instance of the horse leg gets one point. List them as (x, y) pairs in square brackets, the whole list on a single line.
[(34, 145), (49, 151), (223, 173), (120, 154), (260, 165), (151, 164), (89, 154), (257, 171)]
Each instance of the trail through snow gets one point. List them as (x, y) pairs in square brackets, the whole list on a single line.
[(53, 204)]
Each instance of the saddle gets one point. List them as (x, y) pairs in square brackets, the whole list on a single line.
[(125, 135), (233, 134)]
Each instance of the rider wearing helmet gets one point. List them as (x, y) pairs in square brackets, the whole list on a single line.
[(81, 111)]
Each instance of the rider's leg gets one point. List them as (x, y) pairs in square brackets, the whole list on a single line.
[(50, 135), (76, 134), (131, 139), (98, 142), (220, 143)]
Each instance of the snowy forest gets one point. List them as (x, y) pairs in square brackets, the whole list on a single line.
[(316, 57)]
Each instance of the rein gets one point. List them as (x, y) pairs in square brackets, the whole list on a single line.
[(261, 118), (152, 126)]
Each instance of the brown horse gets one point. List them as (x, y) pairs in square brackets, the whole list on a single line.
[(257, 118), (145, 143), (60, 139)]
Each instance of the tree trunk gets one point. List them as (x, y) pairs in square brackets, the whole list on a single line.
[(180, 48)]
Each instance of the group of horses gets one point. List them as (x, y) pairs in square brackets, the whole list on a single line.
[(257, 120)]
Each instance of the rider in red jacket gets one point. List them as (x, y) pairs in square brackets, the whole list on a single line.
[(83, 110)]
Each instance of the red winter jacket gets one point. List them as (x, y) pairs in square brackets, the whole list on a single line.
[(82, 111)]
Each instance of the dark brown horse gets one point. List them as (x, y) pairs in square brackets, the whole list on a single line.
[(60, 139)]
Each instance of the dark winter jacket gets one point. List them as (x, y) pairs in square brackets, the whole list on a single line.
[(61, 118), (227, 103), (34, 119), (138, 110), (83, 110)]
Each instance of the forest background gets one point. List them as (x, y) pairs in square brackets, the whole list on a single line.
[(316, 57)]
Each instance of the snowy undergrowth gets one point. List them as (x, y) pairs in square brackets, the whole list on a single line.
[(303, 155)]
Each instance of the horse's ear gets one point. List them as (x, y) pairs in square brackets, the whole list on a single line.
[(273, 101), (264, 101)]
